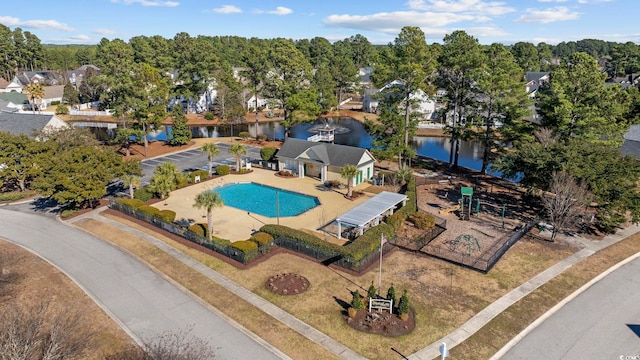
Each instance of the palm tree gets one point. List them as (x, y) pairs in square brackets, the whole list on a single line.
[(349, 171), (165, 179), (404, 174), (130, 181), (34, 93), (208, 200), (238, 150), (211, 150)]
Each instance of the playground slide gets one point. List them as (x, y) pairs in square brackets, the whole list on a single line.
[(449, 210)]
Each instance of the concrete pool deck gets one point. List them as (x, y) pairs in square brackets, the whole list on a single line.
[(235, 224)]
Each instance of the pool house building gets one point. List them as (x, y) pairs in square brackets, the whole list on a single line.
[(324, 160)]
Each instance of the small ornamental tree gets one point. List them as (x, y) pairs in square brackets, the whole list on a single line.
[(403, 306), (267, 153), (391, 295), (371, 292), (357, 302)]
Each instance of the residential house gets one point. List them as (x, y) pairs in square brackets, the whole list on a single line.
[(324, 160), (10, 86), (29, 124), (423, 104), (44, 77), (533, 82), (51, 94), (77, 76)]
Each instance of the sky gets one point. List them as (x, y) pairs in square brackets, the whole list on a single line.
[(380, 21)]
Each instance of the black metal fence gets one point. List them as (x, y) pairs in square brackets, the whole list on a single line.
[(221, 248), (478, 262), (417, 243)]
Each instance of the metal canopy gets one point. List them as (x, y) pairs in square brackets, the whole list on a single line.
[(371, 209)]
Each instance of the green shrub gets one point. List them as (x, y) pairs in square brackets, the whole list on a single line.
[(261, 238), (62, 109), (391, 295), (149, 210), (66, 213), (143, 194), (204, 174), (356, 301), (223, 170), (267, 153), (209, 116), (55, 102), (167, 215), (423, 220), (244, 135), (199, 229), (245, 246), (371, 292), (182, 181), (132, 203), (262, 137), (403, 305), (395, 220), (15, 195)]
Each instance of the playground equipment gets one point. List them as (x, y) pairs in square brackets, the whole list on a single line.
[(449, 210), (468, 192), (468, 243), (501, 207)]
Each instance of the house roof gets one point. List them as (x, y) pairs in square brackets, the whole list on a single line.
[(371, 209), (535, 75), (53, 92), (14, 97), (328, 154), (20, 123), (4, 83)]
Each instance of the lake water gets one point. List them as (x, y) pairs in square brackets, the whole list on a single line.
[(347, 132)]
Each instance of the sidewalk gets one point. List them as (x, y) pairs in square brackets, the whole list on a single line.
[(294, 323), (487, 314)]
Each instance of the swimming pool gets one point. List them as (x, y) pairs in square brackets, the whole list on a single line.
[(261, 199)]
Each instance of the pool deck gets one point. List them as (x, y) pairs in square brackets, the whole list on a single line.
[(235, 224)]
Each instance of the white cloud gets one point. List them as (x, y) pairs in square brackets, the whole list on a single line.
[(476, 7), (148, 2), (80, 37), (280, 10), (550, 1), (35, 24), (593, 1), (549, 15), (227, 9), (393, 22), (104, 31)]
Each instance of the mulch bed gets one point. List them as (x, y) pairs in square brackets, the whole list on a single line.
[(381, 323), (287, 284)]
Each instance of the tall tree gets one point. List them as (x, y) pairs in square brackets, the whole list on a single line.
[(229, 102), (255, 72), (526, 55), (460, 61), (180, 130), (344, 72), (195, 63), (288, 80), (325, 85), (20, 157), (576, 103), (410, 64), (566, 201), (501, 101), (208, 200)]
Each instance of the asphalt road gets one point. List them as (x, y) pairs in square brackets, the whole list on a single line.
[(601, 323), (195, 159), (138, 298)]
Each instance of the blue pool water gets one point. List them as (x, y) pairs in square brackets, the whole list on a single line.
[(261, 199)]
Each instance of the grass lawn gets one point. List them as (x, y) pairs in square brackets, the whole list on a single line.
[(444, 296)]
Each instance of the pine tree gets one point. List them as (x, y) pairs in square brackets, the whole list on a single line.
[(371, 292)]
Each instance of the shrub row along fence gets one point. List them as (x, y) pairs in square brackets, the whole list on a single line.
[(220, 246)]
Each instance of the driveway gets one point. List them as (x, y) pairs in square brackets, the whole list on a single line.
[(603, 322), (195, 159), (140, 300)]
